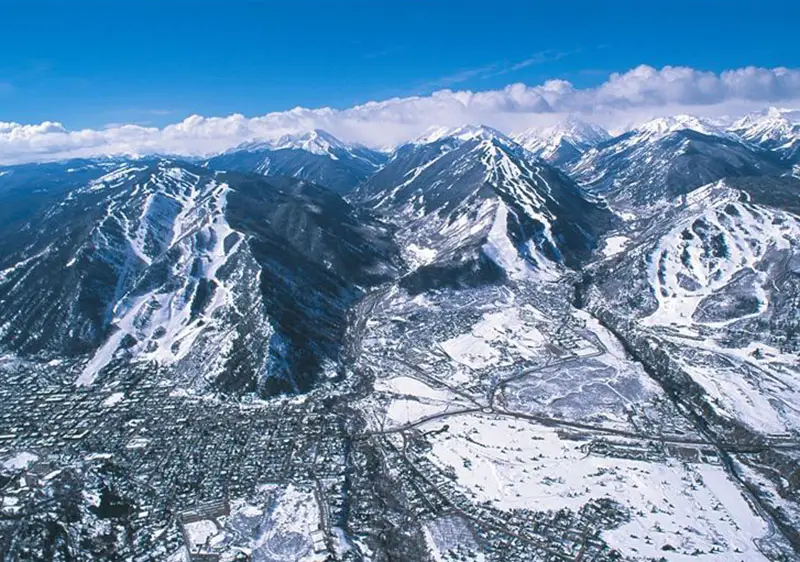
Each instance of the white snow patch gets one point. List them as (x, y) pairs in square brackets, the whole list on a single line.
[(419, 256), (515, 465), (114, 399), (493, 336), (20, 460), (614, 245), (201, 532), (101, 358)]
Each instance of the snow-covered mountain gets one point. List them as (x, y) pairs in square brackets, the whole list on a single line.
[(170, 263), (564, 142), (776, 130), (316, 156), (640, 171), (662, 126), (459, 134), (470, 202)]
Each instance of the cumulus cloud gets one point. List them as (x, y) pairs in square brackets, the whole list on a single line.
[(622, 100)]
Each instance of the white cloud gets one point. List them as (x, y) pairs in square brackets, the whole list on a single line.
[(623, 99)]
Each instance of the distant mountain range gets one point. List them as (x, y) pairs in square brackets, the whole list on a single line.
[(563, 142), (315, 156), (156, 253)]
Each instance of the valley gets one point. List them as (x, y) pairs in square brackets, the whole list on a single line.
[(561, 345)]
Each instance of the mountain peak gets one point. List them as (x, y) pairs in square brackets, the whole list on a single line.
[(563, 141), (315, 155), (773, 117), (662, 126), (572, 129), (463, 133), (775, 129), (315, 141)]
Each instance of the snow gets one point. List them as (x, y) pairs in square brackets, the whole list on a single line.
[(251, 511), (404, 411), (760, 403), (315, 141), (201, 532), (501, 250), (448, 533), (496, 335), (776, 128), (525, 184), (464, 133), (183, 214), (115, 177), (137, 443), (614, 245), (683, 254), (410, 401), (92, 498), (100, 359), (662, 126), (512, 464), (114, 399), (180, 555), (471, 350), (273, 523), (409, 178), (412, 387), (341, 543), (296, 512), (419, 256), (571, 131), (98, 456), (5, 273), (20, 460)]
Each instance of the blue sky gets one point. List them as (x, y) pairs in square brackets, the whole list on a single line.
[(92, 63)]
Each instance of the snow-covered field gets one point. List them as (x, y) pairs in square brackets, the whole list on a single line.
[(20, 460), (693, 508), (607, 388), (403, 400), (279, 523), (447, 535), (767, 401), (614, 245), (498, 338)]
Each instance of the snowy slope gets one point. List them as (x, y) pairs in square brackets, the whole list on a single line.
[(640, 171), (315, 156), (564, 142), (662, 126), (462, 196), (774, 129), (169, 263), (719, 277), (706, 294), (719, 243)]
